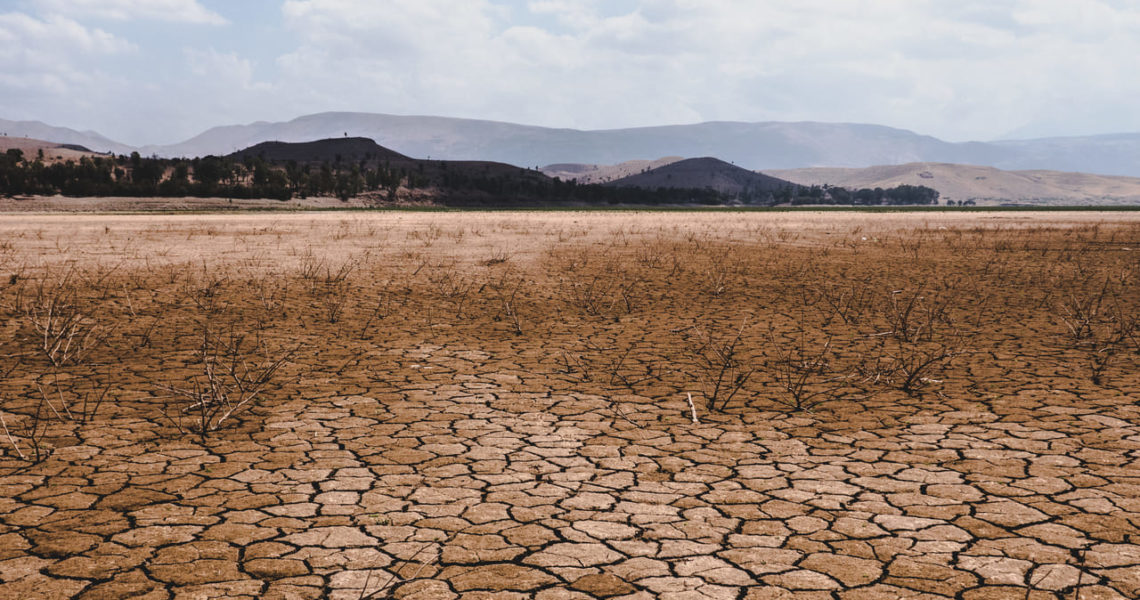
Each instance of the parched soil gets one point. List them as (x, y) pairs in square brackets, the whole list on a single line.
[(570, 405)]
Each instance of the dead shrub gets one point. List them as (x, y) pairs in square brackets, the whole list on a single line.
[(66, 333), (908, 366), (809, 368), (719, 363), (916, 314), (234, 373), (1098, 324), (848, 301)]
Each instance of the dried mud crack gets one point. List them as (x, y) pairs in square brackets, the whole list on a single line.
[(496, 406)]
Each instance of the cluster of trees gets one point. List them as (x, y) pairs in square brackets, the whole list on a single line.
[(254, 177), (903, 195), (827, 195), (454, 183), (210, 176)]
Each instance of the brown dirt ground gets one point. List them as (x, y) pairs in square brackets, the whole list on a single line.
[(495, 405)]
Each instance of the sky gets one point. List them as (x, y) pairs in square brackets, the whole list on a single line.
[(161, 71)]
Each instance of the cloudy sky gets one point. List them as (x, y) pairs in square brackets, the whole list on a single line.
[(159, 71)]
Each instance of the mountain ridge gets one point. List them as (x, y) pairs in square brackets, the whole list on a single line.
[(756, 145), (61, 135), (753, 145)]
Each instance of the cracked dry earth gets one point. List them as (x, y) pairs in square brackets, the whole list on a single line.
[(446, 435)]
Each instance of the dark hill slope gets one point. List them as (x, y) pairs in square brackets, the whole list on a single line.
[(347, 149), (350, 166), (705, 173)]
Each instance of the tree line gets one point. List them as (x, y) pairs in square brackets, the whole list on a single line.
[(210, 176), (902, 195), (452, 183)]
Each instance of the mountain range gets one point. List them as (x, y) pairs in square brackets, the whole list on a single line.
[(755, 146), (61, 135)]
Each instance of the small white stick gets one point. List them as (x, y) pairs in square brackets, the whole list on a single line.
[(693, 409), (11, 439)]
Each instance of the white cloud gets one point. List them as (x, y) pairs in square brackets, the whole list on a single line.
[(972, 69), (578, 14), (216, 77), (53, 52), (354, 54), (962, 70), (207, 88), (182, 11), (23, 33), (396, 28), (52, 66)]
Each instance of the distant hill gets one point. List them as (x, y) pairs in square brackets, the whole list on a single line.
[(493, 183), (347, 149), (587, 174), (984, 185), (61, 135), (704, 173), (52, 151), (351, 150), (380, 169)]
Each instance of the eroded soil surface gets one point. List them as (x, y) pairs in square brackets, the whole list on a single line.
[(498, 406)]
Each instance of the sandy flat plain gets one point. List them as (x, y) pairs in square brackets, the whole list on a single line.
[(497, 405)]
